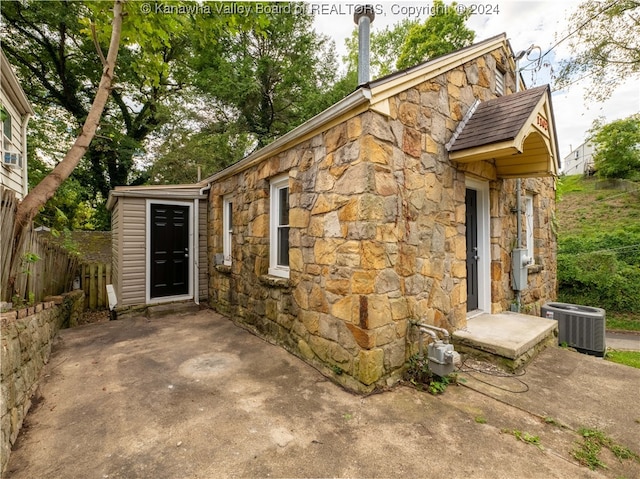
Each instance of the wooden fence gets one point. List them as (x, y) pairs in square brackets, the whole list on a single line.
[(94, 278), (45, 269)]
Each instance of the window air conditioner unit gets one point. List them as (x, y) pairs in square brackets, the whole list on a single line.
[(11, 159), (580, 327)]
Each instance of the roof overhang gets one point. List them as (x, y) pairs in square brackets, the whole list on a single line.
[(11, 86), (384, 88), (166, 192), (531, 152)]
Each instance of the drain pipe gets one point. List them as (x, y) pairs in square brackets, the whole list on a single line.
[(517, 59), (518, 233)]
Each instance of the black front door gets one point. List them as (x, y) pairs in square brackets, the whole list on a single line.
[(472, 249), (169, 250)]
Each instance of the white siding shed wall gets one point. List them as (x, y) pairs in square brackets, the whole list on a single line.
[(129, 227)]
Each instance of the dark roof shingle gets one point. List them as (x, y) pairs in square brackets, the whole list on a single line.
[(498, 120)]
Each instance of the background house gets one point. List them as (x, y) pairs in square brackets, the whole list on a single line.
[(579, 161), (396, 204), (15, 117)]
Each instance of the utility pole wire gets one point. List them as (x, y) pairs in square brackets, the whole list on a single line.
[(570, 34)]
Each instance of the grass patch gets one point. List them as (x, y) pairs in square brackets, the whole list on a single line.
[(553, 422), (628, 358), (599, 249), (480, 420), (623, 322), (525, 437), (419, 375), (609, 208), (593, 440), (570, 184)]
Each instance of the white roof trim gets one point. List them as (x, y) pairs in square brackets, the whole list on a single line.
[(12, 87), (358, 97), (189, 192)]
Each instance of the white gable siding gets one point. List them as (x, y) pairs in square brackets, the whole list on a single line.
[(13, 178)]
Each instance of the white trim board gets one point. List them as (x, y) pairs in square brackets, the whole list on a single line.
[(193, 255), (484, 244)]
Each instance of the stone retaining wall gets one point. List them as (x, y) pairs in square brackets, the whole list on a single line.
[(26, 337)]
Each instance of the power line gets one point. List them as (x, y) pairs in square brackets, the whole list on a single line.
[(578, 80), (570, 34)]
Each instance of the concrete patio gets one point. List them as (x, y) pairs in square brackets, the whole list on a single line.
[(192, 395)]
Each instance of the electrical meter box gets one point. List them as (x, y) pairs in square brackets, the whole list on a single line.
[(519, 272)]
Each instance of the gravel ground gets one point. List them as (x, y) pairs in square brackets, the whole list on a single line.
[(89, 317)]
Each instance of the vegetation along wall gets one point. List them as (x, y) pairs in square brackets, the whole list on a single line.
[(25, 341)]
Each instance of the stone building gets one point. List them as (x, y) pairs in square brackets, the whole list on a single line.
[(398, 203)]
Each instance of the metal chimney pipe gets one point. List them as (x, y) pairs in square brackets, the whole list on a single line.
[(363, 16)]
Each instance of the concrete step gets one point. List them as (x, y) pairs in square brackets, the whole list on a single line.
[(171, 309), (508, 339)]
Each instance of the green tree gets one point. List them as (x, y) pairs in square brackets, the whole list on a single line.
[(45, 189), (604, 40), (617, 146), (184, 155), (269, 80), (443, 32), (68, 208), (56, 49), (386, 46)]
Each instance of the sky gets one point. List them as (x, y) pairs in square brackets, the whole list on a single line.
[(540, 23)]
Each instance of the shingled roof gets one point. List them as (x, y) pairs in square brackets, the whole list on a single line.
[(498, 120)]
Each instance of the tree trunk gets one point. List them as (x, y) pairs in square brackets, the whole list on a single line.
[(44, 190)]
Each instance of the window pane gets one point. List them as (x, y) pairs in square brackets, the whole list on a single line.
[(283, 204), (283, 246), (230, 215), (6, 124)]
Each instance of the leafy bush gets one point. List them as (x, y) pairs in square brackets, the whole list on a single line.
[(624, 243), (616, 144), (599, 279), (422, 378)]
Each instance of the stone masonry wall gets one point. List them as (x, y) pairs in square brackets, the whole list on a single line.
[(26, 338), (377, 233)]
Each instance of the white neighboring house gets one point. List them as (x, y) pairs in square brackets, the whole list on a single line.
[(579, 161), (16, 111)]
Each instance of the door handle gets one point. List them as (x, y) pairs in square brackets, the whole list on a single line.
[(475, 256), (186, 252)]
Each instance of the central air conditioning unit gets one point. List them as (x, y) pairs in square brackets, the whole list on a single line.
[(580, 327)]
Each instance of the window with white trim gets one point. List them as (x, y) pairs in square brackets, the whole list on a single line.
[(528, 213), (279, 227), (9, 156), (227, 229), (6, 125)]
